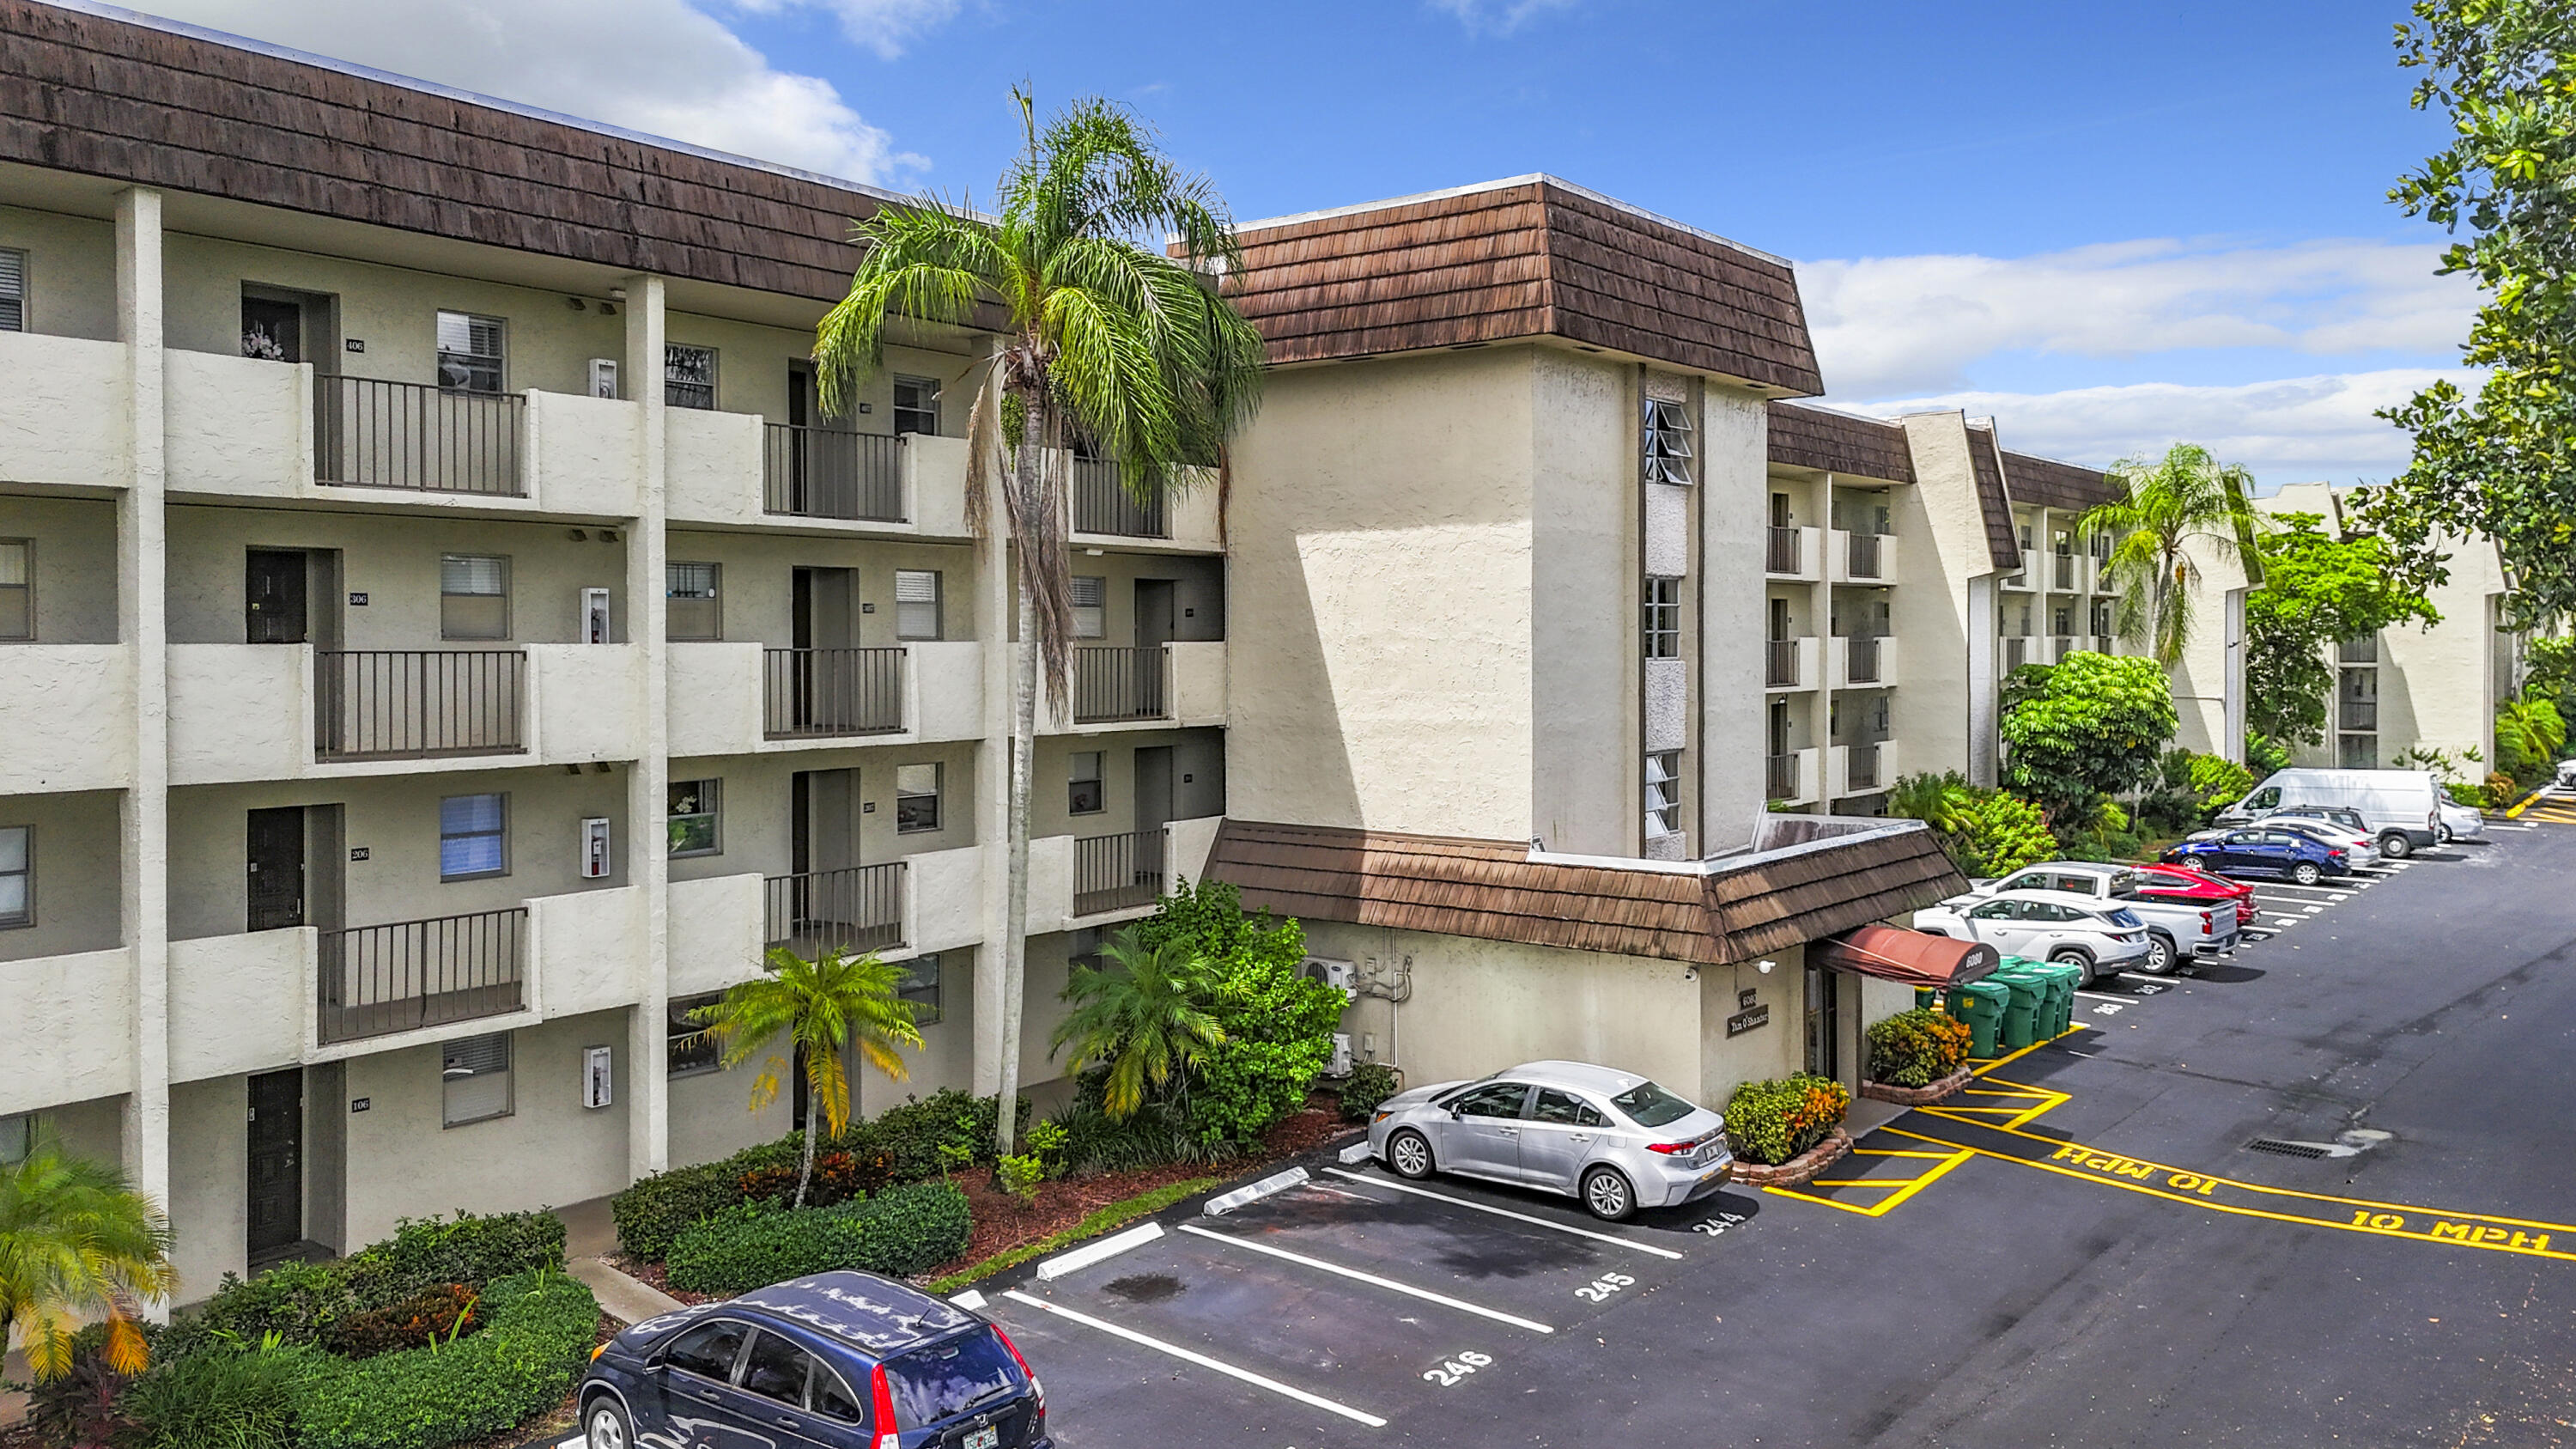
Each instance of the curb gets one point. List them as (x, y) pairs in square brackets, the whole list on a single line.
[(1923, 1096), (1797, 1169)]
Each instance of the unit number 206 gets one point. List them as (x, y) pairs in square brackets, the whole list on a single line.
[(1448, 1374), (1602, 1287)]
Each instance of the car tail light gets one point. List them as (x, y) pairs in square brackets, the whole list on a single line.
[(1025, 1371), (881, 1409), (2333, 854), (1671, 1149), (2208, 923)]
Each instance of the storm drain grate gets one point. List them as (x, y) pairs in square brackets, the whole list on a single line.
[(2278, 1148)]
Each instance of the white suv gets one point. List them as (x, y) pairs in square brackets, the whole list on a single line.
[(2044, 925)]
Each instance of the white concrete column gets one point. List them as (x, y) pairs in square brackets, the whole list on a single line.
[(994, 590), (142, 604), (648, 1103)]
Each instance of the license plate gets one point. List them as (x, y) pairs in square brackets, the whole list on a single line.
[(1702, 1157), (985, 1438)]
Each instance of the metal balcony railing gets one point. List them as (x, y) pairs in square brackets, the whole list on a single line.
[(392, 704), (1102, 504), (1117, 683), (815, 693), (1780, 777), (1780, 550), (2016, 653), (2064, 566), (826, 473), (1860, 659), (2101, 643), (855, 908), (2059, 647), (381, 979), (1860, 767), (1864, 556), (1115, 872), (1780, 663), (373, 434)]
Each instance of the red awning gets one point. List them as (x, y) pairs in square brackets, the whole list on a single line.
[(1911, 958)]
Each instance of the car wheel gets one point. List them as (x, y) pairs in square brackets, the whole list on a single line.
[(2306, 873), (2395, 845), (2193, 862), (1607, 1196), (1409, 1154), (2443, 836), (604, 1426), (2161, 954), (2072, 957)]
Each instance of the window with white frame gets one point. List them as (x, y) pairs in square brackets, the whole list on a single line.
[(17, 875), (691, 610), (1663, 621), (916, 797), (469, 352), (473, 596), (13, 290), (473, 836), (916, 603), (1668, 441), (921, 988), (688, 375), (696, 817), (1090, 606), (1663, 793), (916, 405), (1083, 793), (474, 1080), (17, 589), (686, 1046)]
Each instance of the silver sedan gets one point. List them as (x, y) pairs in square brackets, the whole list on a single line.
[(1613, 1139)]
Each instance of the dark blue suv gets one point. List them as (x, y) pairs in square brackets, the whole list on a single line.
[(834, 1361), (2256, 850)]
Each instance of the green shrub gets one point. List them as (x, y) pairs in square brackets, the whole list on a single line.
[(296, 1301), (538, 1332), (1155, 1134), (912, 1134), (650, 1214), (838, 1176), (750, 1245), (1916, 1048), (1771, 1122), (467, 1248), (1021, 1175), (1370, 1084), (1278, 1024), (1999, 833), (915, 1229), (218, 1399)]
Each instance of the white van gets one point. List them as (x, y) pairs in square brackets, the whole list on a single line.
[(2402, 807)]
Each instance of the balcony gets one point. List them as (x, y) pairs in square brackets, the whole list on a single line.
[(1867, 558), (854, 909), (2063, 573), (1863, 661), (67, 717), (826, 473), (2102, 644), (371, 433), (417, 704), (1118, 686), (382, 980), (71, 1028), (1102, 504), (2024, 579), (740, 470), (1790, 779), (1861, 769), (830, 693), (1792, 553), (2059, 646), (2016, 652), (1116, 872), (1789, 664), (59, 414)]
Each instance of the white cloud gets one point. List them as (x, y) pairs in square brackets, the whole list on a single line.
[(657, 66), (881, 25), (1498, 17), (1917, 323), (2292, 430)]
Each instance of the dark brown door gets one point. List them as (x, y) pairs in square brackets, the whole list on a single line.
[(1824, 1023), (272, 329), (276, 885), (276, 1162), (273, 591)]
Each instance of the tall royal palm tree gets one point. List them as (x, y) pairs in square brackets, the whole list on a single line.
[(1144, 1012), (1105, 341), (812, 1011), (2165, 505), (76, 1243)]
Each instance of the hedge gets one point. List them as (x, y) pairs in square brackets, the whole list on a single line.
[(300, 1302), (904, 1231), (1916, 1048), (218, 1400), (537, 1336), (1771, 1122)]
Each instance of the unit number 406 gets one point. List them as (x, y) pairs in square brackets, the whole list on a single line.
[(1602, 1287), (1448, 1374)]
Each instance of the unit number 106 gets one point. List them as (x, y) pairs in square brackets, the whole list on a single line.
[(1448, 1374)]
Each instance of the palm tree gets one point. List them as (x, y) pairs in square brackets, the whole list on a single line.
[(2165, 504), (817, 1008), (1145, 1014), (1105, 342), (77, 1243)]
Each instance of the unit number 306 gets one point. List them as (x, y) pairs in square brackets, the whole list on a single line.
[(1602, 1287), (1448, 1374)]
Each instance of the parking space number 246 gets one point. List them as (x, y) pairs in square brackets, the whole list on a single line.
[(1448, 1374)]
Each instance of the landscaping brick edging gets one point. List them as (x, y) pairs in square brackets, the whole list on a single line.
[(1918, 1096), (1797, 1169)]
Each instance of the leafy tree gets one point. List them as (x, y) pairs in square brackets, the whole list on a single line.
[(1105, 342), (2504, 463), (2167, 504), (815, 1009), (1145, 1015), (77, 1243), (1278, 1024), (2317, 588), (2090, 726), (1984, 832), (2549, 672)]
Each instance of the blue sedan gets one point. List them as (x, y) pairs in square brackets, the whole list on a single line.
[(833, 1361), (2257, 851)]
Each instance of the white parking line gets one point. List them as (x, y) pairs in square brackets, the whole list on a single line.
[(1374, 1280), (1506, 1213), (1202, 1360)]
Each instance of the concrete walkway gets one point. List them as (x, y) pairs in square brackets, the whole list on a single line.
[(590, 1234)]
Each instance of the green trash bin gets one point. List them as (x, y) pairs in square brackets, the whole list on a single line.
[(2063, 978), (1981, 1004), (2022, 1021), (1924, 996)]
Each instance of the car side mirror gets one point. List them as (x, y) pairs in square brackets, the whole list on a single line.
[(1457, 1114)]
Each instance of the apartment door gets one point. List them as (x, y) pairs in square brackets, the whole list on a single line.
[(276, 1191), (1155, 614), (1779, 620), (821, 686), (1779, 510), (1779, 727), (273, 596), (276, 868), (1153, 812), (273, 328), (823, 813), (1824, 1023)]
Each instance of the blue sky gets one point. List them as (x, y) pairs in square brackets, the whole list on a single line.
[(2108, 226)]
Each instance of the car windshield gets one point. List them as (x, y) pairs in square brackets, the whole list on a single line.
[(933, 1383), (1648, 1105)]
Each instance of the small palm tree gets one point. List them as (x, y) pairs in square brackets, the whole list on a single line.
[(1145, 1014), (77, 1243), (2165, 504), (1105, 342), (816, 1009)]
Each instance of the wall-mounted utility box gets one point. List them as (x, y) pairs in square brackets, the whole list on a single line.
[(603, 377), (595, 1079), (594, 848), (595, 617)]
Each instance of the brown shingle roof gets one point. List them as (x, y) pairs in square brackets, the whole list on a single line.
[(1804, 437), (1492, 890), (2048, 483), (1533, 257), (2003, 541)]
